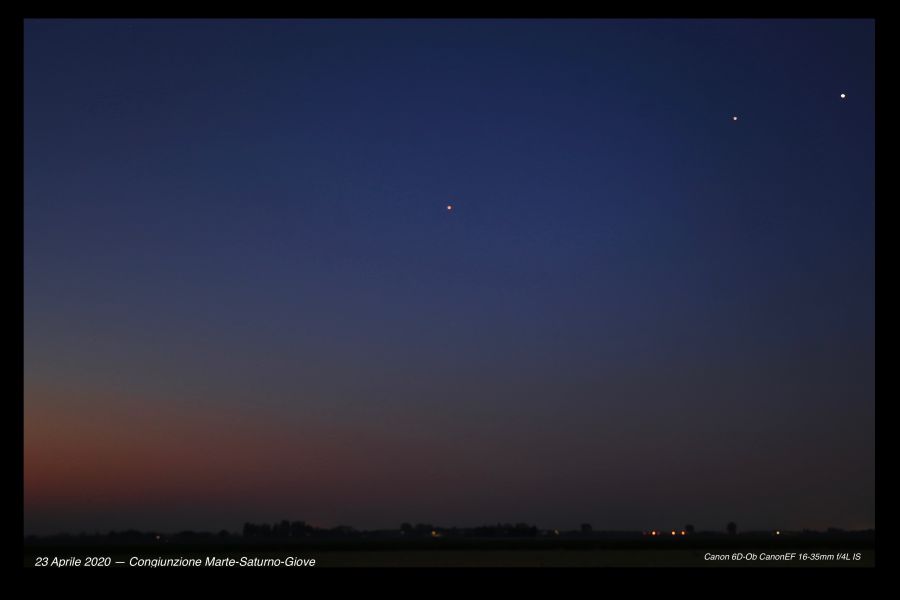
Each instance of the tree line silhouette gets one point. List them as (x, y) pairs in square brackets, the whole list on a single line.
[(298, 531)]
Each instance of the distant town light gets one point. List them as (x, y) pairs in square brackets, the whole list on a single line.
[(653, 532), (777, 533), (683, 532), (673, 532)]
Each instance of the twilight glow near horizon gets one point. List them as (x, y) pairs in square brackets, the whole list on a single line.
[(456, 272)]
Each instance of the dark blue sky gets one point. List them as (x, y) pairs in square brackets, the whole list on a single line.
[(244, 298)]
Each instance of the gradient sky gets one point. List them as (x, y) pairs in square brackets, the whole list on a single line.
[(245, 299)]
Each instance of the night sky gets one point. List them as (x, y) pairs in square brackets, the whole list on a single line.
[(246, 300)]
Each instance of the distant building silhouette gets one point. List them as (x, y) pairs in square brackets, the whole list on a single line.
[(731, 528)]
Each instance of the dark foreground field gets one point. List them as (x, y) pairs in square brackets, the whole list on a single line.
[(476, 553)]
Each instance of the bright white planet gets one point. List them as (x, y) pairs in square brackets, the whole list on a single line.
[(843, 96), (449, 207), (734, 118)]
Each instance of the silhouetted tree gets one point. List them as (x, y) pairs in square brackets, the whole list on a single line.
[(282, 530), (300, 529), (343, 530), (731, 528), (586, 528), (689, 529)]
